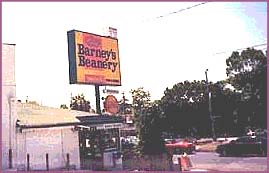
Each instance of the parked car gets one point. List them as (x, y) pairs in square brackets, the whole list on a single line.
[(178, 146), (261, 132), (245, 145)]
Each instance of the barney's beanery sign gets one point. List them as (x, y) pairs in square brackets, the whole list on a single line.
[(93, 59)]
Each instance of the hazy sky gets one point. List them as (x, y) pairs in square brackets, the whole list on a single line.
[(155, 52)]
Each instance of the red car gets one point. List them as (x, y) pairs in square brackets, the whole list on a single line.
[(180, 146)]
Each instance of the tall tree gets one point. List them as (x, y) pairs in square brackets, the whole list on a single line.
[(225, 102), (186, 109), (147, 121), (247, 72)]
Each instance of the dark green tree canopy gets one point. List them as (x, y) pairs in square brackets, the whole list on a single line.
[(238, 103), (247, 72), (147, 122), (242, 69)]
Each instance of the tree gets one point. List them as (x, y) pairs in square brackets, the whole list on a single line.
[(183, 110), (63, 106), (225, 103), (247, 72), (147, 122), (186, 110), (124, 106), (80, 103)]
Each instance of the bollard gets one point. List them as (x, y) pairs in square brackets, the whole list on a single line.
[(10, 158), (28, 162), (179, 163), (67, 161), (47, 161), (170, 162)]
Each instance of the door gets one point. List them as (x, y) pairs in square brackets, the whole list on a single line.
[(90, 150)]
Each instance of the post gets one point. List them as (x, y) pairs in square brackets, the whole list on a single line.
[(120, 143), (179, 163), (97, 95), (10, 158), (170, 160), (47, 161), (28, 162), (67, 161), (210, 108), (123, 104), (10, 133)]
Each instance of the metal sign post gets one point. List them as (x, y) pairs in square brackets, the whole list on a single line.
[(97, 95)]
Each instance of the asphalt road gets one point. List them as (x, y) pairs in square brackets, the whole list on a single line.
[(212, 161)]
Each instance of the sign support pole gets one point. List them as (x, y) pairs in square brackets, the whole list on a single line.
[(97, 95)]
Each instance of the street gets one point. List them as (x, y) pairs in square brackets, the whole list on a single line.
[(211, 161)]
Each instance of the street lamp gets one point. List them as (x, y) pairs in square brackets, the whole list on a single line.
[(210, 108)]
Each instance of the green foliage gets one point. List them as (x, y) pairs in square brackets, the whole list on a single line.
[(63, 106), (248, 74), (184, 110), (124, 106), (80, 103), (147, 122)]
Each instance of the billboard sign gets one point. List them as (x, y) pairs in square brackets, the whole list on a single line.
[(93, 59)]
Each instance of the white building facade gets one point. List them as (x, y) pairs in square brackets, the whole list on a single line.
[(9, 114), (35, 147), (46, 138), (53, 148)]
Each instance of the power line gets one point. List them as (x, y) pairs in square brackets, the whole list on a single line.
[(175, 12), (258, 45), (182, 10)]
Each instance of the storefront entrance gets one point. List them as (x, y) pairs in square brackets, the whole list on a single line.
[(99, 146)]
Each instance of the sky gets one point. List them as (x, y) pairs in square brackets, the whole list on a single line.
[(159, 44)]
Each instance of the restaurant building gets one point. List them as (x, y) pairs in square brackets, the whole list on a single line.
[(55, 139), (36, 137)]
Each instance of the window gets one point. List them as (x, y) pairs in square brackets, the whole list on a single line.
[(110, 139)]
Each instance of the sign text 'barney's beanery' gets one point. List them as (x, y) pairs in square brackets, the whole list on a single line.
[(103, 63), (93, 59)]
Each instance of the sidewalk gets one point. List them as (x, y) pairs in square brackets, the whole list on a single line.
[(233, 167), (198, 170)]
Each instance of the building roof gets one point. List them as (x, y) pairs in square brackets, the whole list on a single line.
[(99, 119), (9, 44), (37, 116)]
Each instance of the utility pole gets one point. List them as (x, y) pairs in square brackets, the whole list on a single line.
[(210, 108)]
